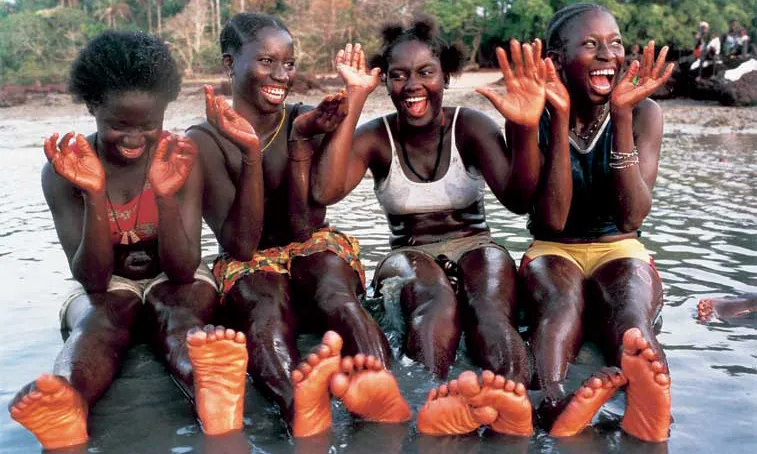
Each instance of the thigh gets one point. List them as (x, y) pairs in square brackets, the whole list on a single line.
[(421, 278), (316, 277), (118, 309), (198, 298), (488, 280), (257, 298), (549, 285)]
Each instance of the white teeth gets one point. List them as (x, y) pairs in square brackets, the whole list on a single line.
[(274, 91), (416, 99), (602, 72)]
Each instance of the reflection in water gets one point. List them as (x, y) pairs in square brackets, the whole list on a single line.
[(701, 231)]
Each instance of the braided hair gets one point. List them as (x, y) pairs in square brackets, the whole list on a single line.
[(553, 38), (425, 30), (119, 61), (244, 27)]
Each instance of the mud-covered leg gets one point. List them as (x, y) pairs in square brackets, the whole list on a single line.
[(430, 307), (552, 291), (259, 306), (488, 289), (628, 295)]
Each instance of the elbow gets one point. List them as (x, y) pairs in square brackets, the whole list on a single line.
[(324, 196), (629, 225), (94, 284), (556, 224)]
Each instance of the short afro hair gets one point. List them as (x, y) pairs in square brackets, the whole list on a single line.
[(243, 27), (425, 30), (118, 61)]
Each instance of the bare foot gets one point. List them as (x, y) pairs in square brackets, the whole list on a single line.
[(647, 415), (53, 411), (447, 410), (219, 365), (704, 310), (586, 401), (312, 401), (510, 400), (369, 390)]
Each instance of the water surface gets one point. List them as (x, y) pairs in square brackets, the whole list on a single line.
[(702, 231)]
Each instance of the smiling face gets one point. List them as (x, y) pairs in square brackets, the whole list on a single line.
[(593, 55), (415, 82), (129, 124), (263, 70)]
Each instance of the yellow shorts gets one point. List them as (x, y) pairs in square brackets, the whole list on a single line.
[(588, 256), (141, 288)]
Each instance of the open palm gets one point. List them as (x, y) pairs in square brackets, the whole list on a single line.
[(627, 94), (229, 123), (171, 165), (81, 168), (525, 84), (352, 68)]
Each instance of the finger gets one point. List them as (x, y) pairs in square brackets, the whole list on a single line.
[(50, 150), (551, 71), (517, 57), (541, 65), (504, 66), (162, 148), (356, 56), (362, 66), (537, 48), (83, 146), (529, 66), (211, 109), (646, 60), (668, 72), (348, 54), (633, 70), (339, 60), (489, 94), (64, 142), (376, 72), (660, 62)]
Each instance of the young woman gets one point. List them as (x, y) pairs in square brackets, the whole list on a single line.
[(126, 204), (280, 261), (431, 164), (586, 271)]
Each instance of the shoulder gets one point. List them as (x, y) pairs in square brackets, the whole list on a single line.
[(372, 130), (474, 122), (647, 114), (56, 189)]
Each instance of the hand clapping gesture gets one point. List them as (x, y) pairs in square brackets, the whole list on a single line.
[(352, 68), (230, 124), (626, 95), (525, 84), (81, 168), (171, 165)]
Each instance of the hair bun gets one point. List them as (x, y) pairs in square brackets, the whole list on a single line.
[(424, 27), (390, 32)]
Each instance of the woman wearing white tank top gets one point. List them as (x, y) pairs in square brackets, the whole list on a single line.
[(430, 164)]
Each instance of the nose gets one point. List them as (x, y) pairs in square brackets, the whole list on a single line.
[(413, 81), (133, 139), (604, 52), (279, 73)]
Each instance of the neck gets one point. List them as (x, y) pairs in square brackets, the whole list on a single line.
[(264, 123), (420, 134), (584, 114)]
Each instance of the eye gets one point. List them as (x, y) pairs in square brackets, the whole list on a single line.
[(426, 73), (617, 42), (289, 65), (589, 44), (397, 76), (266, 61)]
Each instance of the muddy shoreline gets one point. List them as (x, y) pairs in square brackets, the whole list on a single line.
[(189, 108)]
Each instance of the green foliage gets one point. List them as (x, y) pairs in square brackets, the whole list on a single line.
[(39, 39)]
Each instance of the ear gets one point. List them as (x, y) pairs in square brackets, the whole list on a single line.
[(557, 59), (446, 80), (228, 62)]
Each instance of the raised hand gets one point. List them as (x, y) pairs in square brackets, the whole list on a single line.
[(324, 118), (171, 165), (229, 123), (352, 68), (525, 83), (81, 168), (626, 95)]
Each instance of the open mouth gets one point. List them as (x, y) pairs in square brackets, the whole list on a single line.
[(131, 153), (601, 80), (274, 95), (416, 106)]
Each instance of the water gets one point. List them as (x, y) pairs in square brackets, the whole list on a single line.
[(701, 230)]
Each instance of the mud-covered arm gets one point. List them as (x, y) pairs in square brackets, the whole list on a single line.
[(232, 209), (177, 183), (74, 188), (332, 167), (637, 137)]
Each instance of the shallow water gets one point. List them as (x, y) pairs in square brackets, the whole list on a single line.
[(702, 233)]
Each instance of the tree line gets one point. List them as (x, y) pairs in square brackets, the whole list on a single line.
[(40, 38)]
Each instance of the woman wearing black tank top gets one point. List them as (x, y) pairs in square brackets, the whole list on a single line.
[(586, 273), (280, 264)]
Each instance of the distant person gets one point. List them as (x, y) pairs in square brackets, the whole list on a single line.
[(127, 203), (742, 42), (700, 39), (729, 39)]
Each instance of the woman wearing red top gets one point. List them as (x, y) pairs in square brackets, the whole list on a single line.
[(126, 203)]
